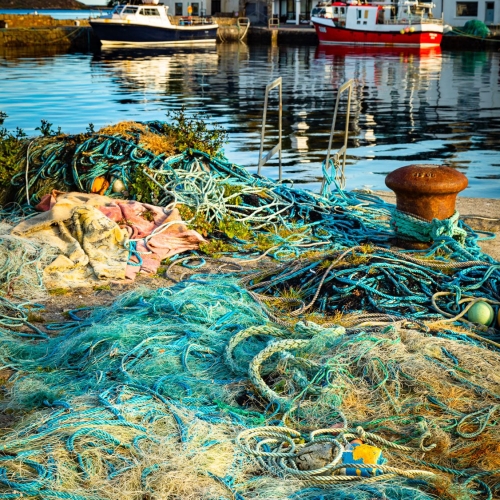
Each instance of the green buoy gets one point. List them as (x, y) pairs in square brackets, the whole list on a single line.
[(481, 313)]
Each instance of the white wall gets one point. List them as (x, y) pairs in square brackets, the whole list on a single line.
[(449, 10)]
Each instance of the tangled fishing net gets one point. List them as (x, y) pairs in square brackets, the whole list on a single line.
[(241, 213), (191, 392), (21, 266), (260, 387)]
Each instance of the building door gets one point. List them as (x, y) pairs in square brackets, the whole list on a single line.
[(490, 13), (256, 11), (215, 7)]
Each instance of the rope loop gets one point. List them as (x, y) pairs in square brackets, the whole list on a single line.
[(412, 226)]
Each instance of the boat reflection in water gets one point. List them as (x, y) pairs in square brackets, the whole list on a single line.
[(158, 70), (426, 55)]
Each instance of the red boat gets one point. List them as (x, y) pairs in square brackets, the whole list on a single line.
[(408, 23)]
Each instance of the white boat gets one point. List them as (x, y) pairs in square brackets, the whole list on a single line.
[(149, 24), (407, 23)]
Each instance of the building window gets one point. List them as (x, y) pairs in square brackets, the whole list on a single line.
[(466, 9), (196, 9), (178, 9)]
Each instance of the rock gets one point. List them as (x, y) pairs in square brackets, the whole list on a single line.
[(315, 456)]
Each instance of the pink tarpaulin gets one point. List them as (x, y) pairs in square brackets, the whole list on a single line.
[(159, 233), (154, 233)]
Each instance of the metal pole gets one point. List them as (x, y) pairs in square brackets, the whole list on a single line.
[(342, 152), (277, 148)]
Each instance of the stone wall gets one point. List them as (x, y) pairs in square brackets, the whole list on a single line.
[(58, 36), (35, 21)]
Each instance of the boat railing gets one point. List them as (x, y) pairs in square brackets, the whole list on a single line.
[(415, 20), (191, 20), (95, 13)]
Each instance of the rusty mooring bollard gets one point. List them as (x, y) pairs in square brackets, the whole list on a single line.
[(427, 192)]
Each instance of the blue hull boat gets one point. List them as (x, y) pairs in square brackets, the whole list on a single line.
[(149, 24)]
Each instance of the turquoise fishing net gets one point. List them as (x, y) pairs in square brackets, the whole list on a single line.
[(475, 27), (294, 221), (138, 398), (144, 398)]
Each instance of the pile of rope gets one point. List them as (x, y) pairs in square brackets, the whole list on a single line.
[(256, 215), (378, 284), (191, 392), (256, 388)]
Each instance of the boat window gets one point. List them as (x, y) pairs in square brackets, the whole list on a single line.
[(130, 10), (318, 12), (366, 14), (342, 10), (358, 13), (149, 12)]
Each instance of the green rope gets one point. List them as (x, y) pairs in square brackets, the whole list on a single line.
[(409, 225)]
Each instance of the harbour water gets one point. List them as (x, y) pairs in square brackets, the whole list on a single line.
[(409, 106)]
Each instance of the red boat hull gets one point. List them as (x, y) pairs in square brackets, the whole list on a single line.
[(339, 35)]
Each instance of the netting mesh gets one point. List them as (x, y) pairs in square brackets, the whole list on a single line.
[(217, 388), (21, 266), (144, 401)]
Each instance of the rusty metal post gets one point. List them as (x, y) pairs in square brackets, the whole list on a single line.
[(426, 191)]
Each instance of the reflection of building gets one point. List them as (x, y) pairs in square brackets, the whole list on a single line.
[(299, 138), (299, 143), (458, 12)]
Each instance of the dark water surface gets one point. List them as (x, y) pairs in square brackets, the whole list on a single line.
[(409, 106)]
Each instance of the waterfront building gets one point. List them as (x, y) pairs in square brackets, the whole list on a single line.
[(458, 12), (455, 12), (202, 8)]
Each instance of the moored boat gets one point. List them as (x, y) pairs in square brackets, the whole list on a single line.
[(149, 24), (408, 23)]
